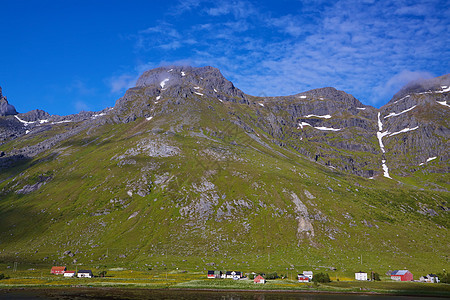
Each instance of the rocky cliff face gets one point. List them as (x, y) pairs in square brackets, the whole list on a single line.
[(414, 127), (6, 109)]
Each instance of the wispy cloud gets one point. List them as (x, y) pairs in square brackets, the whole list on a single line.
[(396, 82), (81, 106), (366, 48), (121, 82), (80, 87)]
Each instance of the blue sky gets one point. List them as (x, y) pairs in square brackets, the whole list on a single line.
[(68, 56)]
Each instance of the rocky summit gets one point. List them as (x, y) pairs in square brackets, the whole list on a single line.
[(188, 171)]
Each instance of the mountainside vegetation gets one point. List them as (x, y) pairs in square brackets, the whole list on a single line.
[(188, 172)]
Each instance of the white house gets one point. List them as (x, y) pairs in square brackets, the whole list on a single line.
[(430, 278), (85, 273), (69, 274), (361, 276), (308, 274), (233, 274)]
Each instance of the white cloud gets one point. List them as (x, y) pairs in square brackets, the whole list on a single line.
[(364, 48), (239, 9), (81, 106), (396, 82), (80, 87), (122, 82), (289, 24)]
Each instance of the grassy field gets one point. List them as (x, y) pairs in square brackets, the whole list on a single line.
[(197, 280)]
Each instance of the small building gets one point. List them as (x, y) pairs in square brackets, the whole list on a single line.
[(303, 278), (58, 270), (309, 274), (214, 274), (69, 274), (233, 274), (259, 279), (85, 274), (361, 276), (402, 275), (430, 278)]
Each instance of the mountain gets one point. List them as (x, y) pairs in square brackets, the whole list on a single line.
[(187, 171)]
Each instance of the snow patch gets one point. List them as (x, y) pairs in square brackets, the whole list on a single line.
[(445, 89), (397, 114), (443, 103), (385, 169), (403, 130), (23, 121), (183, 74), (157, 98), (428, 160), (163, 83), (196, 87), (402, 98), (220, 100), (65, 121), (27, 132), (302, 124), (215, 90), (149, 118), (302, 97), (170, 70), (381, 134), (380, 125), (198, 93), (97, 115), (327, 128), (43, 121), (317, 116), (361, 108), (261, 104)]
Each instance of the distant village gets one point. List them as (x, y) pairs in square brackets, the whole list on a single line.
[(306, 276)]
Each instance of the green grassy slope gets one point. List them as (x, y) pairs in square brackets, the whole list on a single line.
[(224, 196)]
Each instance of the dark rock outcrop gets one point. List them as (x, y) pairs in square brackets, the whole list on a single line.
[(6, 109)]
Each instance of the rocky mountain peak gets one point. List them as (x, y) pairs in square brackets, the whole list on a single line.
[(6, 108), (208, 78), (330, 93)]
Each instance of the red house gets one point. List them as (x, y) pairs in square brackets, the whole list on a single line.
[(402, 275), (302, 278), (259, 279), (58, 270)]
